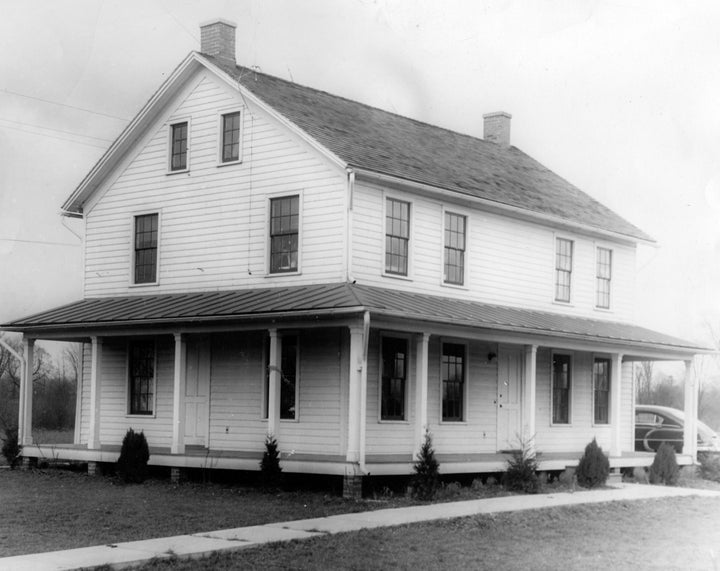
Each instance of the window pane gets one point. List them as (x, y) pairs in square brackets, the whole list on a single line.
[(601, 390), (142, 377), (452, 369), (563, 269), (394, 369), (603, 276), (454, 261), (561, 389), (146, 240), (397, 233), (284, 225), (179, 147), (231, 137)]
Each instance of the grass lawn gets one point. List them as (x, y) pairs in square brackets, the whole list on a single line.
[(674, 533)]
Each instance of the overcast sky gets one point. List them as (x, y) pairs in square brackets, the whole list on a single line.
[(620, 98)]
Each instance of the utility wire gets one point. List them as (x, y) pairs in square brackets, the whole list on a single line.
[(38, 242), (56, 130), (54, 137), (9, 92)]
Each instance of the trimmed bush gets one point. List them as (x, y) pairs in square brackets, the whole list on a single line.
[(11, 447), (426, 481), (270, 470), (521, 474), (134, 456), (664, 469), (709, 466), (594, 467)]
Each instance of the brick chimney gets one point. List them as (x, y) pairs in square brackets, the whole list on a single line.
[(496, 128), (217, 38)]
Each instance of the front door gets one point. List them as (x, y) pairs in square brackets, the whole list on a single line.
[(197, 392), (509, 409)]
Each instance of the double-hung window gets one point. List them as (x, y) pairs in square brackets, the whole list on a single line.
[(603, 275), (178, 146), (230, 137), (288, 377), (145, 248), (561, 387), (454, 258), (563, 269), (394, 377), (452, 372), (141, 369), (397, 236), (284, 233), (601, 391)]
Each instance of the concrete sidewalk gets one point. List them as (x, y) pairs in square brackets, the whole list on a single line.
[(136, 552)]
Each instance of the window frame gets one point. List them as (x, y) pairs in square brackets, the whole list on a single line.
[(465, 218), (463, 391), (570, 388), (268, 257), (171, 136), (569, 272), (133, 251), (608, 365), (406, 380), (608, 279), (387, 198), (221, 136), (129, 377), (266, 375)]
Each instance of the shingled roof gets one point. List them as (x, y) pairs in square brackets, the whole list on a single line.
[(371, 139)]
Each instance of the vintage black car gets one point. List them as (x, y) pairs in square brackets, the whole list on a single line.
[(657, 424)]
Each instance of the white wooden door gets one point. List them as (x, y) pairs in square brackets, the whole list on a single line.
[(509, 406), (197, 392)]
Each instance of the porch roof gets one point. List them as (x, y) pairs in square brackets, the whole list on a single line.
[(332, 300)]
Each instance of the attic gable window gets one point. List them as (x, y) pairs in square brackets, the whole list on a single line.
[(284, 234), (146, 248), (178, 146), (603, 275), (563, 269), (397, 236), (230, 137)]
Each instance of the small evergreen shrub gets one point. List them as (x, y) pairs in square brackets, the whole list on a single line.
[(594, 467), (521, 474), (270, 470), (709, 466), (426, 481), (134, 455), (11, 447), (567, 477), (664, 469)]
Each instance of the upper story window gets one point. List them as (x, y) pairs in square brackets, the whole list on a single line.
[(453, 381), (284, 233), (397, 236), (141, 370), (561, 387), (394, 376), (563, 269), (454, 258), (601, 391), (288, 376), (230, 137), (178, 146), (603, 276), (146, 248)]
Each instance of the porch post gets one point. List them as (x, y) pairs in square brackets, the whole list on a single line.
[(26, 394), (691, 408), (273, 396), (616, 404), (355, 394), (421, 390), (179, 378), (95, 383), (530, 395)]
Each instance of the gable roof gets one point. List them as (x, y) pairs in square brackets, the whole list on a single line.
[(381, 142), (387, 144), (335, 300)]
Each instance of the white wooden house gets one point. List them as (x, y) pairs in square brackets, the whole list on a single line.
[(264, 258)]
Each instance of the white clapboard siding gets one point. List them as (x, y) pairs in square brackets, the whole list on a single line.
[(581, 430), (508, 261), (214, 219)]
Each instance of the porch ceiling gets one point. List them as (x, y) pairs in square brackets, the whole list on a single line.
[(333, 300)]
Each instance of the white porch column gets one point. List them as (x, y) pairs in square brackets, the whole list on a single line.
[(179, 379), (691, 410), (95, 382), (421, 390), (530, 399), (355, 391), (273, 396), (616, 404), (26, 394)]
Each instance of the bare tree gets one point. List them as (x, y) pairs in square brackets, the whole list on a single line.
[(644, 382)]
